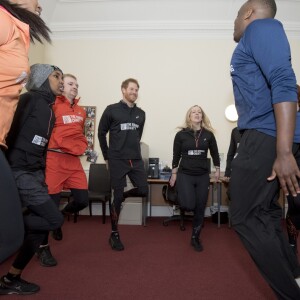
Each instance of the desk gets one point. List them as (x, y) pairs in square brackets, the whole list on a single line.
[(148, 199), (219, 197)]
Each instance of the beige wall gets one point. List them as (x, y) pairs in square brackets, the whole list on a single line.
[(173, 75)]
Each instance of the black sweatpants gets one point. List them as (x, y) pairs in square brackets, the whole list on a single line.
[(39, 220), (42, 214), (256, 214), (11, 218)]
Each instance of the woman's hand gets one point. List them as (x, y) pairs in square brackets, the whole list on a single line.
[(217, 174), (173, 179), (225, 179)]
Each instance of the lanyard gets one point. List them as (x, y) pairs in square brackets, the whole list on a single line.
[(197, 138)]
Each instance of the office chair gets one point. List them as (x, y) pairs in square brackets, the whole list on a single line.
[(170, 196), (99, 188)]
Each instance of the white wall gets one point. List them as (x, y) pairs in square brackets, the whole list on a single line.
[(173, 74)]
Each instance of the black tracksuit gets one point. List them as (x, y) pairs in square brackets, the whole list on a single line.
[(31, 129), (125, 126), (190, 153)]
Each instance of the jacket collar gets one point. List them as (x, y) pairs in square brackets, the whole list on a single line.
[(63, 99)]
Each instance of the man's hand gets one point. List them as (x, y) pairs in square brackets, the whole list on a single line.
[(285, 166), (288, 173)]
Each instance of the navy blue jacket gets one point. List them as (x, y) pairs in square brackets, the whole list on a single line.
[(262, 76)]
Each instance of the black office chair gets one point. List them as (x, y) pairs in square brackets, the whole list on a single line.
[(99, 188), (170, 196)]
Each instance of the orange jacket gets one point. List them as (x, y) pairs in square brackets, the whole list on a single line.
[(14, 67), (68, 133)]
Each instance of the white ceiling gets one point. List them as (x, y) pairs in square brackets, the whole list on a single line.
[(153, 18)]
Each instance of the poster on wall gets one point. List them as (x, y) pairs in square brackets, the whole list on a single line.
[(89, 132)]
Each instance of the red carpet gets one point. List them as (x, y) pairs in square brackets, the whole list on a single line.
[(158, 263)]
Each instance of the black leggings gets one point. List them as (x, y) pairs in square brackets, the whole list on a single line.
[(11, 219), (79, 202), (119, 197), (193, 195), (38, 220)]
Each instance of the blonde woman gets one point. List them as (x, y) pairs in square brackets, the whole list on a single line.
[(190, 166)]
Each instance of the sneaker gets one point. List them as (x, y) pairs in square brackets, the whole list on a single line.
[(45, 256), (57, 234), (196, 244), (17, 286), (115, 241)]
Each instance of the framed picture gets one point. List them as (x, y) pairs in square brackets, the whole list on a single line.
[(89, 127)]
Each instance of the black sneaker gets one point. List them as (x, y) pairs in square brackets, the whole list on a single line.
[(196, 244), (45, 256), (115, 241), (57, 234), (17, 286)]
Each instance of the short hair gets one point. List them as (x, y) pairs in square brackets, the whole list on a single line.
[(69, 75), (269, 5), (126, 82)]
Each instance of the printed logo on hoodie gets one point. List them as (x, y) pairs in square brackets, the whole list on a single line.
[(129, 126), (72, 119)]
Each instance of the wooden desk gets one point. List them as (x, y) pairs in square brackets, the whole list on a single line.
[(152, 182)]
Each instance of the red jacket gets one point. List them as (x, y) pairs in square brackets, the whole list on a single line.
[(68, 133)]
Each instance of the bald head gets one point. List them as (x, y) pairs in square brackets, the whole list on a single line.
[(252, 10), (263, 8)]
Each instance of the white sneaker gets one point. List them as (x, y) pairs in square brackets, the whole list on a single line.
[(298, 281)]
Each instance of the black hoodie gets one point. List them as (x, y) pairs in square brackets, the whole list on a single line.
[(125, 126), (31, 129), (190, 151)]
